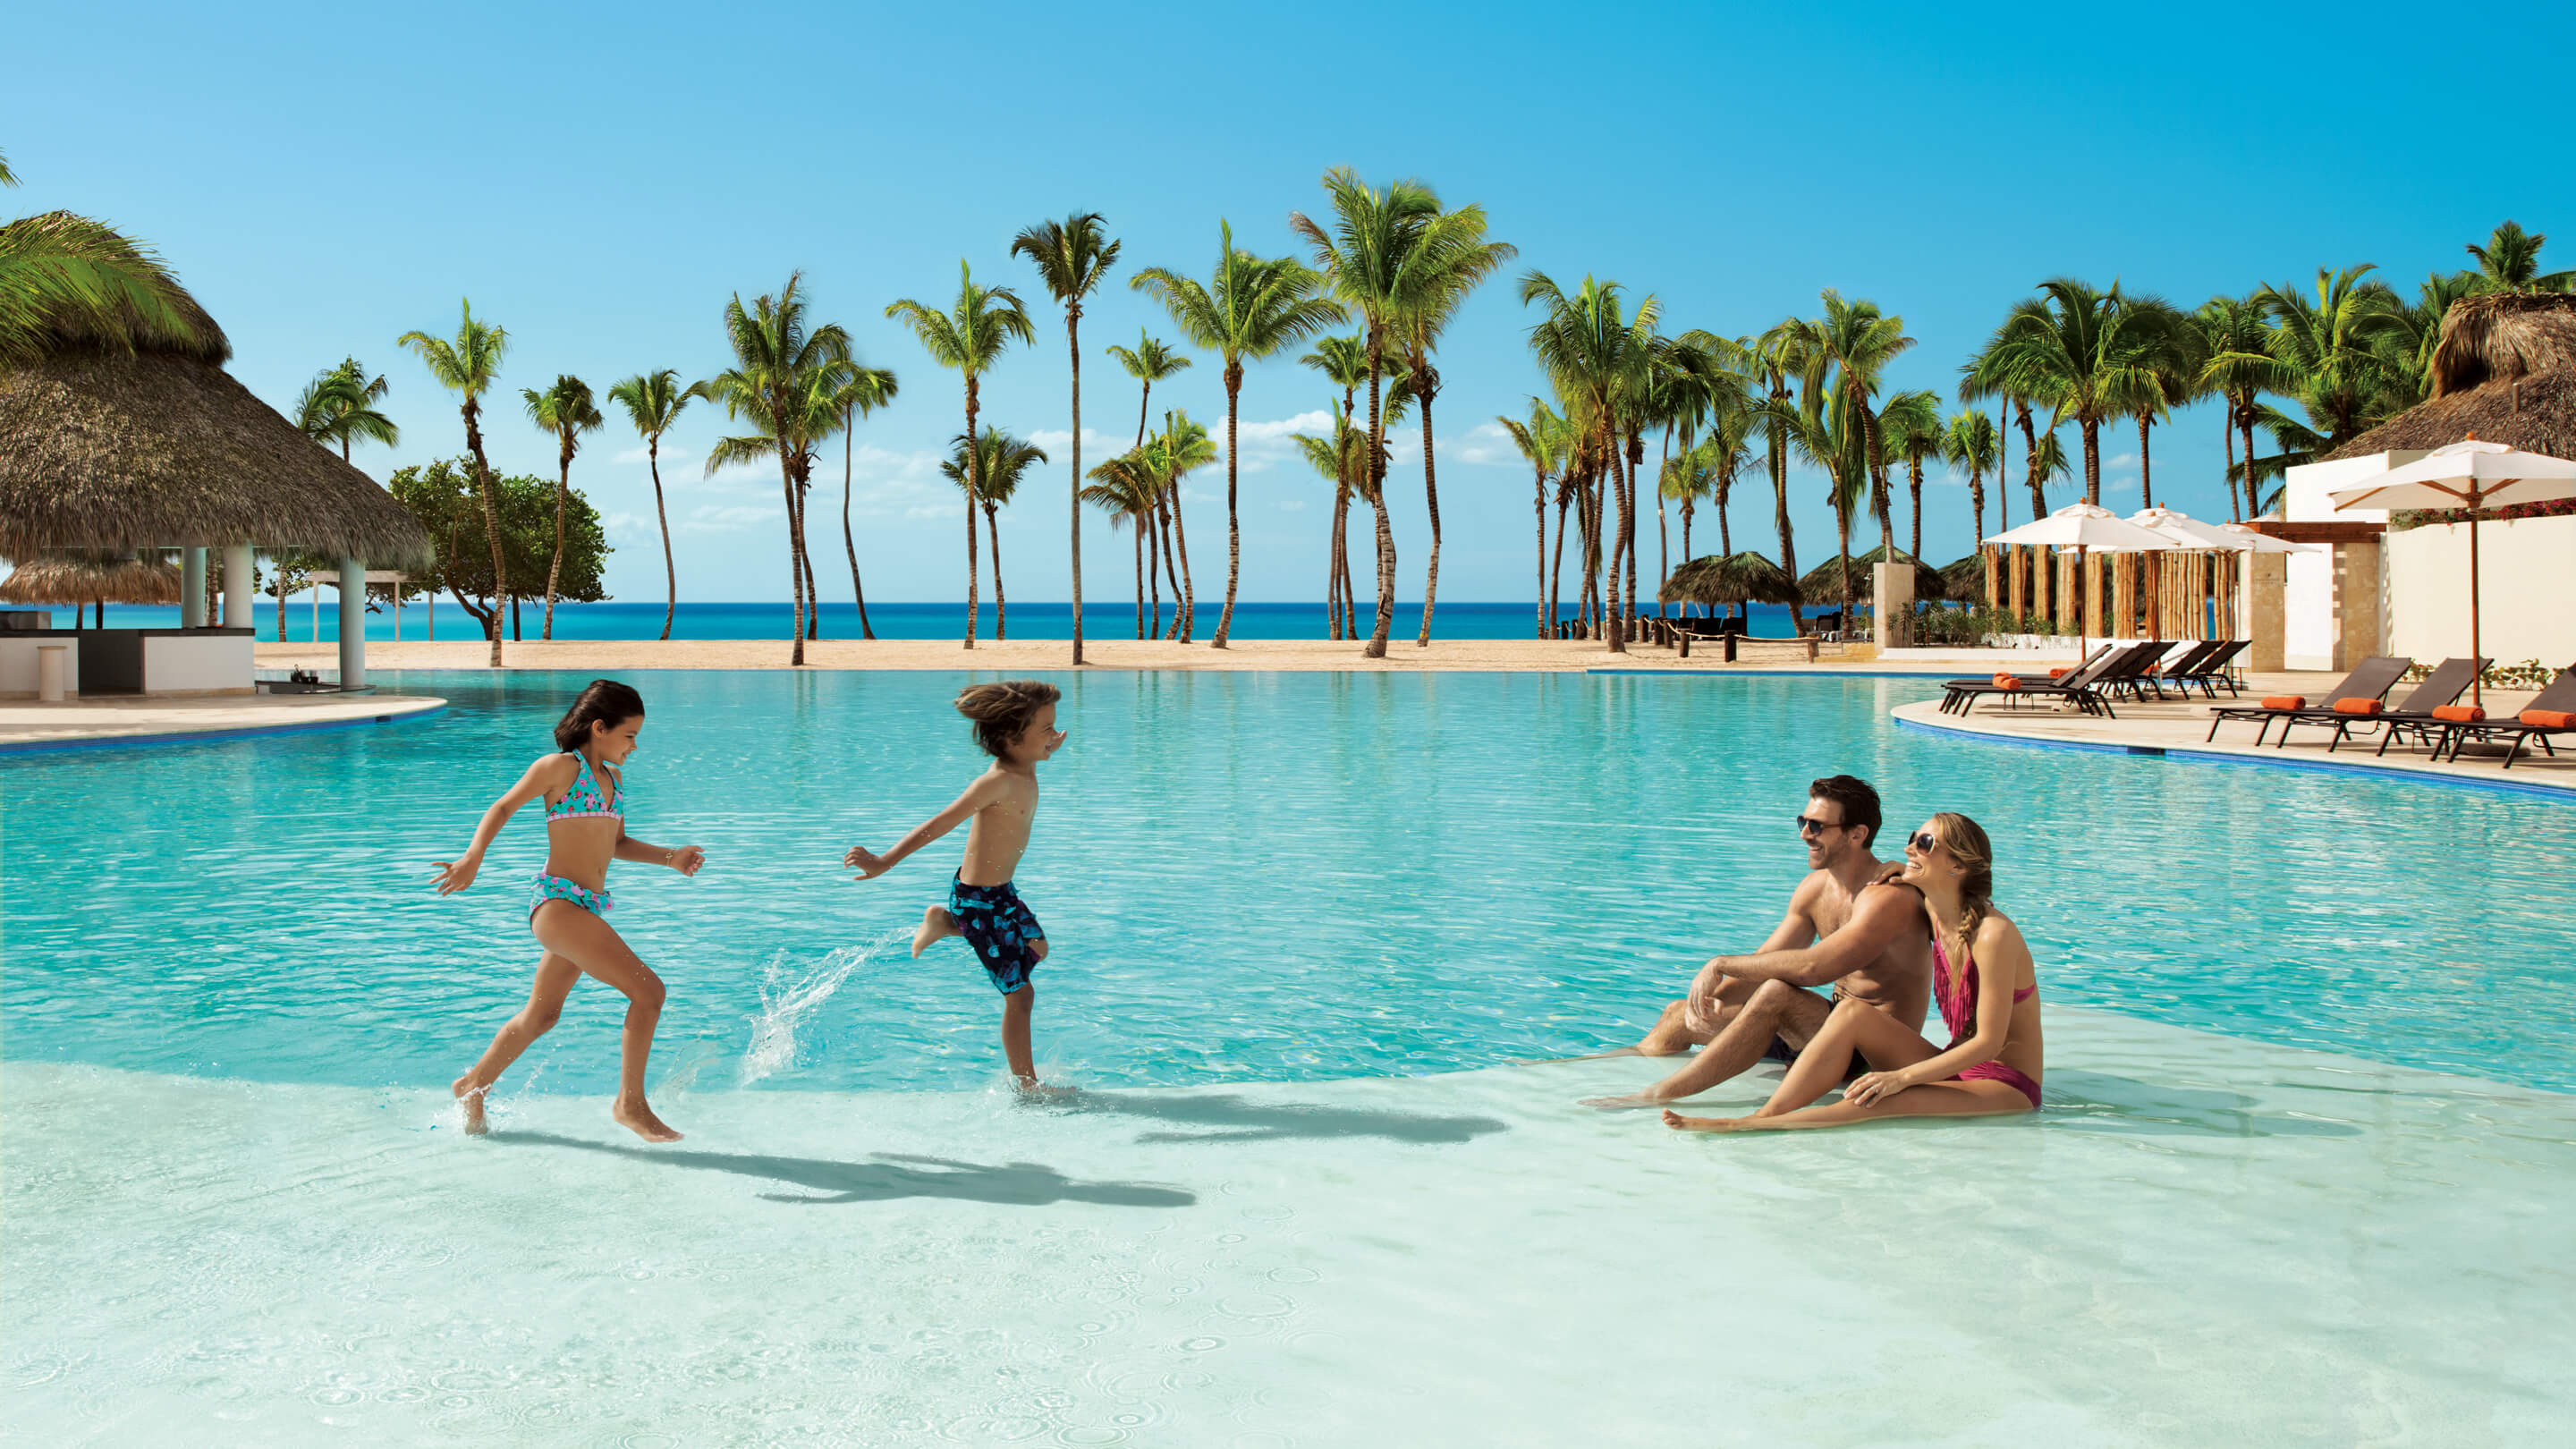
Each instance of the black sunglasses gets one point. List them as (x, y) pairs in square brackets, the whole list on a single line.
[(1809, 826)]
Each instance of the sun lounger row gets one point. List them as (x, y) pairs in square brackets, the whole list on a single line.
[(2131, 671), (2431, 715)]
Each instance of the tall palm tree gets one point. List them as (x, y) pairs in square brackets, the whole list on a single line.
[(1911, 428), (1776, 357), (2510, 262), (2237, 367), (2158, 370), (1369, 257), (1859, 342), (967, 339), (2078, 350), (1540, 439), (862, 391), (1123, 489), (782, 382), (1072, 256), (1254, 307), (653, 401), (1151, 362), (339, 406), (2328, 344), (1598, 357), (998, 463), (1344, 361), (1969, 442), (1182, 448), (564, 411), (467, 365), (1451, 261)]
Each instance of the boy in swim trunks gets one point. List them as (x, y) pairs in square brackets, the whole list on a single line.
[(1015, 724)]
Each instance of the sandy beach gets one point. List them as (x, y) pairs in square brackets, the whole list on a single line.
[(1033, 654)]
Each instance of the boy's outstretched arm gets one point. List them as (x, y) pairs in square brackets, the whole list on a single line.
[(978, 795)]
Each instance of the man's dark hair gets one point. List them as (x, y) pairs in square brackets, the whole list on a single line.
[(1859, 801)]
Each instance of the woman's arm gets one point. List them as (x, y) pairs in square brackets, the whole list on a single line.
[(977, 796), (546, 777), (2003, 964), (683, 858)]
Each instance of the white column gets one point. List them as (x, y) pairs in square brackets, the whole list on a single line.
[(192, 588), (353, 623), (237, 586)]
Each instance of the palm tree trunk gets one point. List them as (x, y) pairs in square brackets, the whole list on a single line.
[(2253, 500), (1171, 571), (1139, 529), (2092, 431), (974, 499), (1623, 546), (1335, 596), (858, 590), (795, 560), (1186, 605), (2043, 581), (554, 566), (2003, 447), (662, 517), (1152, 523), (1556, 576), (1842, 537), (1376, 464), (1914, 505), (1431, 497), (1073, 341), (1233, 528), (805, 551), (491, 523), (1977, 502), (1540, 598), (1780, 496), (2227, 434), (2146, 474), (1664, 549), (1001, 616)]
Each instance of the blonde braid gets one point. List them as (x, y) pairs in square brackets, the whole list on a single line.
[(1967, 843)]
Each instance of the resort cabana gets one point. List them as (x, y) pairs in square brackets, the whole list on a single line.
[(1736, 578), (81, 580), (107, 449)]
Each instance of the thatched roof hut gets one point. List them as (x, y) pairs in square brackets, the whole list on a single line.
[(1735, 578), (106, 448), (78, 579), (1825, 580), (2503, 369), (1965, 579)]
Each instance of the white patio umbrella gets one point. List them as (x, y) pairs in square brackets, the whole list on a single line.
[(2191, 533), (2082, 526), (2466, 475)]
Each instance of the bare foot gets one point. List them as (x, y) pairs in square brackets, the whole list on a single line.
[(639, 1119), (936, 926), (1680, 1123), (471, 1100), (1627, 1103), (1032, 1090)]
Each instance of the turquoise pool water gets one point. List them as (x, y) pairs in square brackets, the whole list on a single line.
[(1245, 877)]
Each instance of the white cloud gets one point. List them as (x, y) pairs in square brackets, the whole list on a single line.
[(1486, 443), (1285, 505), (727, 518), (640, 453)]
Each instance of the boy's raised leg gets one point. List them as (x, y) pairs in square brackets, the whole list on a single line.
[(936, 926)]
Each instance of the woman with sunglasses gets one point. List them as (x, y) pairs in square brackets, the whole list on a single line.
[(1983, 979)]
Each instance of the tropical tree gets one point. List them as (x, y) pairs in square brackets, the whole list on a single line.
[(2510, 262), (2089, 355), (1598, 357), (1775, 358), (2328, 345), (565, 411), (1858, 342), (467, 365), (968, 339), (1072, 256), (653, 401), (1451, 260), (1541, 439), (1151, 362), (997, 465), (1370, 258), (1911, 429), (858, 392), (1344, 361), (62, 274), (1123, 489), (1969, 442), (1182, 448), (339, 406), (442, 497), (1253, 307), (782, 385)]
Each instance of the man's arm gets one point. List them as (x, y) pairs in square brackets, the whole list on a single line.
[(983, 792), (1796, 929), (1881, 915)]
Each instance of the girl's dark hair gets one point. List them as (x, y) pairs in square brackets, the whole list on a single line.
[(602, 701), (1002, 710)]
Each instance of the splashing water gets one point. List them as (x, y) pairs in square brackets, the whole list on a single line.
[(790, 997)]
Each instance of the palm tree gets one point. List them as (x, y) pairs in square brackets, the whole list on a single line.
[(1344, 361), (1183, 447), (1129, 495), (653, 401), (2328, 347), (1969, 443), (968, 339), (2080, 351), (1775, 357), (467, 365), (339, 406), (782, 383), (1452, 259), (1072, 256), (1860, 342), (64, 273), (1369, 257), (1911, 427), (998, 464), (565, 411), (1152, 361), (1597, 357), (1254, 308), (2159, 371), (1541, 440), (2237, 367), (862, 391), (2510, 262)]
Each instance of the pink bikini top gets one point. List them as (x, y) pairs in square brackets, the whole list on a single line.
[(585, 800), (1959, 999)]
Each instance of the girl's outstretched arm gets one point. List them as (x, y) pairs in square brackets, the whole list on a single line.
[(978, 795), (683, 858), (546, 777)]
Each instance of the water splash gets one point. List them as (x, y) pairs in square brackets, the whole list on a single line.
[(792, 991)]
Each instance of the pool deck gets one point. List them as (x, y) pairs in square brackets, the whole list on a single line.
[(26, 725), (2178, 730)]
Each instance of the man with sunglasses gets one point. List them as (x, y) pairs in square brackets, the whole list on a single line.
[(1869, 941)]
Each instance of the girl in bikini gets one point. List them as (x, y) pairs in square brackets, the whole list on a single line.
[(584, 787), (1982, 978)]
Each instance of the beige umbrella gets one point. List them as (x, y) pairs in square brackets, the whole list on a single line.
[(2466, 476), (2080, 526)]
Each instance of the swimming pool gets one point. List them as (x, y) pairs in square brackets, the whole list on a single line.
[(1245, 877), (2302, 1178)]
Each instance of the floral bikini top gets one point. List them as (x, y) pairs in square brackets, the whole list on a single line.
[(585, 800)]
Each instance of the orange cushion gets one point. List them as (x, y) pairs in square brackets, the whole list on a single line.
[(2549, 719), (2285, 701), (2007, 682), (2459, 713), (2060, 672), (2358, 706)]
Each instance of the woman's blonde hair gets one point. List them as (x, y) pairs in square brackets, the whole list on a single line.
[(1966, 841)]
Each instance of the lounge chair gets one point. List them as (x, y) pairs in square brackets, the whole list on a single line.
[(2178, 670), (2550, 712), (2413, 714), (2146, 671), (2365, 684), (2085, 686), (2218, 668)]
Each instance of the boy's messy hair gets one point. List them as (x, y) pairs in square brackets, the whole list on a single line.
[(1001, 711)]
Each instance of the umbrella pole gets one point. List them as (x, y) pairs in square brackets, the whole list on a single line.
[(2476, 694)]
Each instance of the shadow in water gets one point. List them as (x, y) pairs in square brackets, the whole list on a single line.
[(2100, 1102), (1225, 1117), (888, 1176)]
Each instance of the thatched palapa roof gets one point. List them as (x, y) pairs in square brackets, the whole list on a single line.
[(2504, 369), (1735, 578), (77, 579), (105, 448), (1825, 580)]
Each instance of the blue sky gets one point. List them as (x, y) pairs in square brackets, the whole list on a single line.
[(599, 181)]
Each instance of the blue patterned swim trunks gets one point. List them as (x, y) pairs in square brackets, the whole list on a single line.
[(999, 926), (556, 888)]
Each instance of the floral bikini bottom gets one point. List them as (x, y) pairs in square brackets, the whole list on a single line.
[(556, 888)]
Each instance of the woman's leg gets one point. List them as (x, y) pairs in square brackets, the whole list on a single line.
[(1985, 1098), (1854, 1027), (593, 945), (555, 976)]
